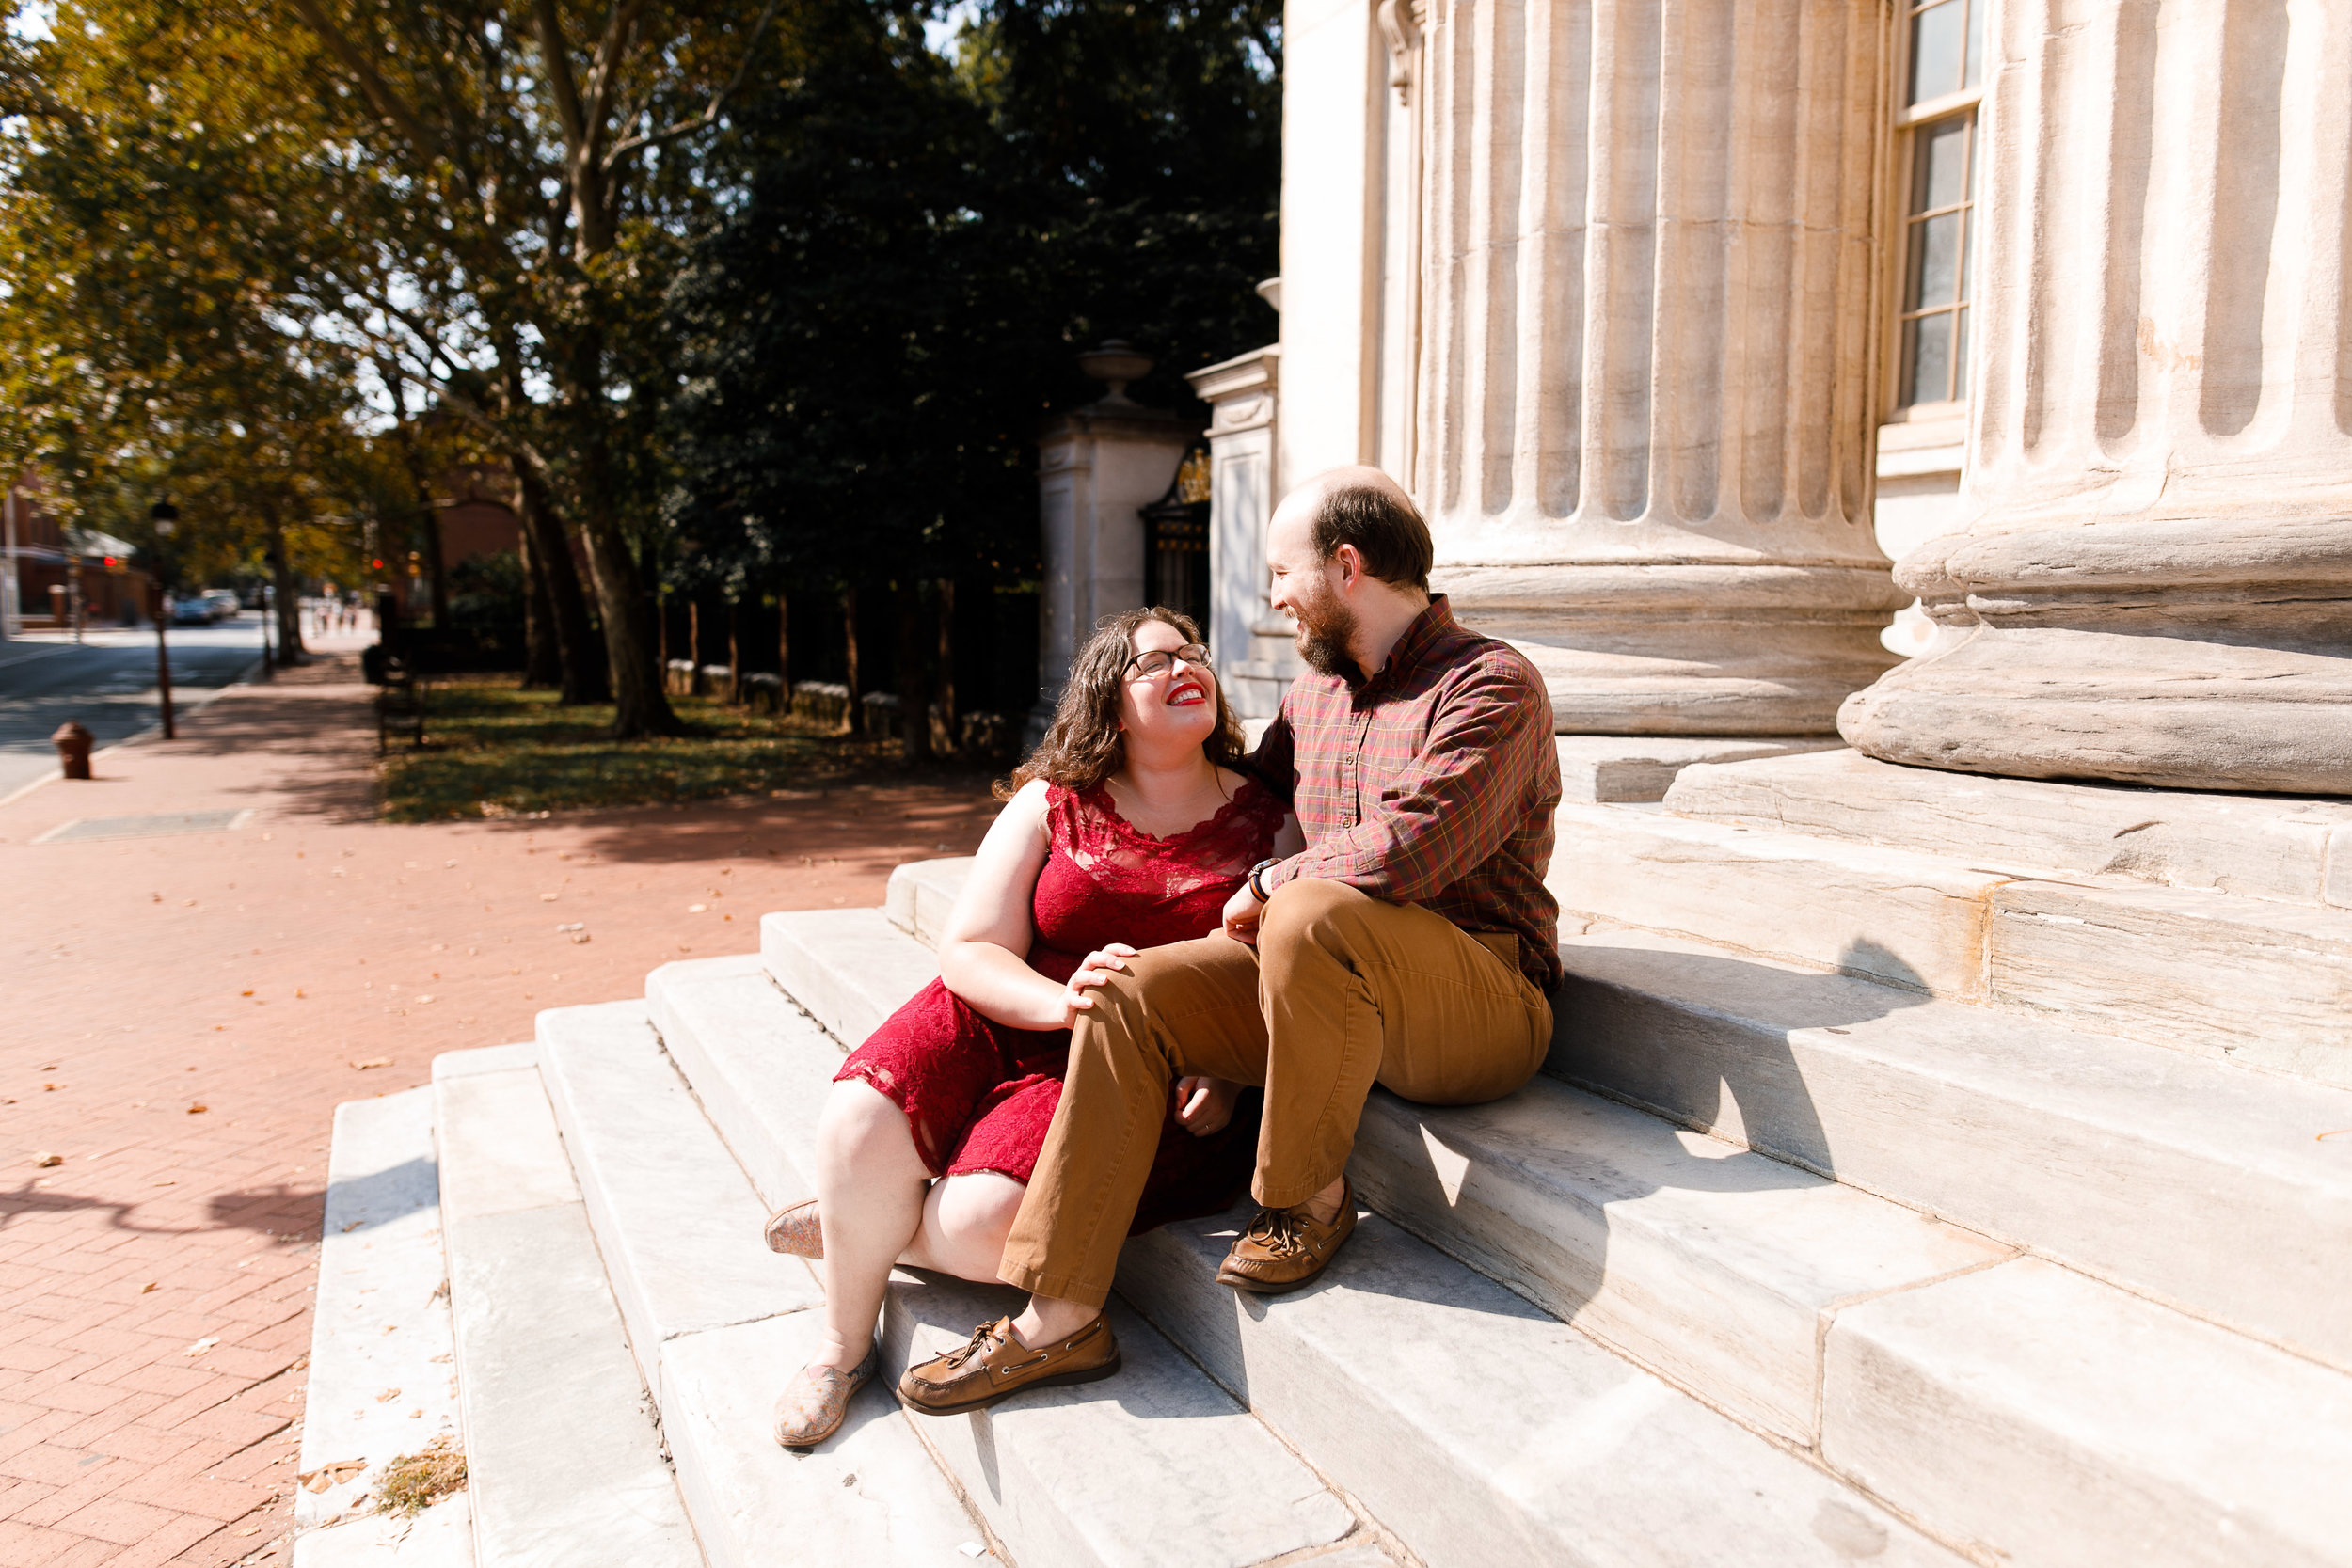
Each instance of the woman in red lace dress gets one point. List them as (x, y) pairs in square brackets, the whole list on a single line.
[(1129, 827)]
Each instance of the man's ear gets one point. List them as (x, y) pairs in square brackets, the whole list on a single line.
[(1351, 564)]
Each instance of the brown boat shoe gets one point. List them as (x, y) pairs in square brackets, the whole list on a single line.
[(995, 1365), (794, 1229), (1285, 1248)]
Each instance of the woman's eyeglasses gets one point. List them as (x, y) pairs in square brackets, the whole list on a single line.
[(1159, 661)]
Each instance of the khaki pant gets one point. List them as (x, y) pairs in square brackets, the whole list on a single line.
[(1342, 990)]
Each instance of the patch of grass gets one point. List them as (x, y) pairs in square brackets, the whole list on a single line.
[(415, 1481), (494, 750)]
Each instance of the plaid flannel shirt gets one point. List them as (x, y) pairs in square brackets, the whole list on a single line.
[(1431, 784)]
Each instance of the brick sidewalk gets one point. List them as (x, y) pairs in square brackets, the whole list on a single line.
[(184, 1013)]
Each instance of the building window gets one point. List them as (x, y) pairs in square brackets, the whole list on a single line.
[(1942, 71)]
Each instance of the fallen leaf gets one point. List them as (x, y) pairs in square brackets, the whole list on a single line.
[(251, 1529), (202, 1345), (387, 1396), (149, 1286), (299, 994), (425, 998), (696, 909), (580, 937), (51, 1088), (575, 925), (331, 1475), (377, 1061), (198, 1110), (547, 898), (352, 1226), (246, 992), (45, 1161), (168, 1183)]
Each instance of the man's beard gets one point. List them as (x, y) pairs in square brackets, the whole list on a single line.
[(1325, 628)]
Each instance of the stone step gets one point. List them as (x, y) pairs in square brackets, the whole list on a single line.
[(2207, 1186), (380, 1322), (2043, 1418), (2210, 1187), (844, 964), (2277, 847), (1160, 1439), (719, 1324), (564, 1459), (1595, 1461), (2263, 983), (1702, 1261), (922, 892), (679, 1228)]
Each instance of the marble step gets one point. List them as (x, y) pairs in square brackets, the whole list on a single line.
[(1471, 1425), (1705, 1262), (1159, 1439), (719, 1324), (563, 1457), (1702, 1264), (2279, 847), (2213, 1188), (2194, 1180), (2263, 983), (2042, 1419), (380, 1322), (922, 892)]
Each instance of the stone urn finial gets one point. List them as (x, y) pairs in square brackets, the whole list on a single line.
[(1116, 363)]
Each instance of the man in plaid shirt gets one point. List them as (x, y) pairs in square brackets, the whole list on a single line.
[(1411, 943)]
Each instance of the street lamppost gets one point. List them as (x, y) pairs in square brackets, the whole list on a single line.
[(165, 517)]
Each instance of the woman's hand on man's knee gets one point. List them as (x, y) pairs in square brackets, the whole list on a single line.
[(1099, 967), (1204, 1105)]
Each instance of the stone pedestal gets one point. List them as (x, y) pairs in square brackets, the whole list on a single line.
[(1644, 391), (1097, 466), (1253, 644), (2156, 581)]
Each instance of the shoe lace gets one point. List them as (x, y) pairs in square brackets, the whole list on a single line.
[(979, 1345), (1279, 1232)]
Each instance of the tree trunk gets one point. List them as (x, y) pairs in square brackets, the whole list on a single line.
[(582, 670), (784, 649), (435, 562), (735, 652), (945, 680), (915, 687), (288, 610), (543, 658), (853, 721), (639, 707), (694, 646)]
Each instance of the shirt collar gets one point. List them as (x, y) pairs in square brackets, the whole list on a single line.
[(1432, 626)]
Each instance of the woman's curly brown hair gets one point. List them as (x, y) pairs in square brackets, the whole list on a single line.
[(1082, 747)]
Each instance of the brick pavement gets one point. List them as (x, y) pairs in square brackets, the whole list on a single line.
[(179, 1016)]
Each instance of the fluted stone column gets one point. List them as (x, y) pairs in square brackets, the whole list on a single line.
[(2156, 581), (1645, 363)]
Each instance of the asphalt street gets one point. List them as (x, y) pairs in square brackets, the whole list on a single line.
[(108, 683)]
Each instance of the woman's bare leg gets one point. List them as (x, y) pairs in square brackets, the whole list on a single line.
[(965, 1221), (870, 1185)]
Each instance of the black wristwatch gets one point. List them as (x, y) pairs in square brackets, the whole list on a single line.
[(1255, 882)]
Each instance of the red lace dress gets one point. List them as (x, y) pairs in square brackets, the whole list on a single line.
[(980, 1094)]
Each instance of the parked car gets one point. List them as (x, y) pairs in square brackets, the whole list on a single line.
[(224, 602), (191, 609)]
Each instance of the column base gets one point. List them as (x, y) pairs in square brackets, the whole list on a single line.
[(1620, 770), (1686, 650), (2192, 655)]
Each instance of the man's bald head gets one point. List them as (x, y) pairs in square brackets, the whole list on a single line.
[(1362, 507)]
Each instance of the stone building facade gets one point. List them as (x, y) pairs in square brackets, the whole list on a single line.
[(1682, 321)]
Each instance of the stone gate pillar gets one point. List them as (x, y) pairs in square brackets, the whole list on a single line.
[(2157, 582), (1643, 374), (1097, 467)]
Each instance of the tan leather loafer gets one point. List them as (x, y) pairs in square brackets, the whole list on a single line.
[(795, 1230), (1285, 1248), (818, 1402), (996, 1366)]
